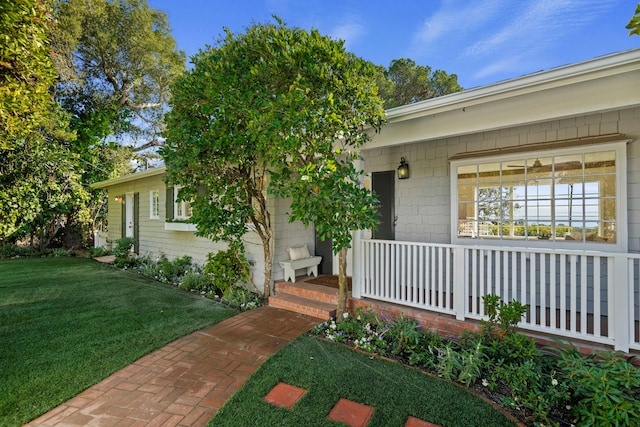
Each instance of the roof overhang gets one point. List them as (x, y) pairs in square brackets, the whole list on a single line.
[(602, 84), (131, 177)]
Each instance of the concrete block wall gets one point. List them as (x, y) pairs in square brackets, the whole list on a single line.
[(423, 202)]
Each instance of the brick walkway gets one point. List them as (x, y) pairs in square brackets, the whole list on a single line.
[(186, 382)]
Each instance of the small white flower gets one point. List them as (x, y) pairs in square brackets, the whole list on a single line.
[(345, 315), (333, 326), (358, 318), (485, 382), (554, 382), (305, 178), (568, 407)]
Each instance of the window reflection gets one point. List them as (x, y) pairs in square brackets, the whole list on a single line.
[(565, 197)]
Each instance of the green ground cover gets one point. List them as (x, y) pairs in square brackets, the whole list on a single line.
[(330, 371), (67, 323)]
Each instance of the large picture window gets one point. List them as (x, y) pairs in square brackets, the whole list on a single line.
[(568, 196)]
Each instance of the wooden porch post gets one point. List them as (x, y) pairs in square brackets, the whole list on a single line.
[(620, 301)]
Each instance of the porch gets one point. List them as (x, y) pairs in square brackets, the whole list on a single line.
[(593, 297)]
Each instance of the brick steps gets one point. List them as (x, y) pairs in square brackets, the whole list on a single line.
[(307, 298), (297, 304)]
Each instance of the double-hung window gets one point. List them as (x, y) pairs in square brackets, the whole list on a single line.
[(182, 209), (570, 198), (154, 204)]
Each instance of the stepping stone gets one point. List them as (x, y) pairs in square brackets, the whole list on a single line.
[(417, 422), (351, 413), (284, 395)]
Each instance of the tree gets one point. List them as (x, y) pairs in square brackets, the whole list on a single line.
[(115, 60), (634, 24), (404, 83), (118, 55), (35, 171), (278, 103)]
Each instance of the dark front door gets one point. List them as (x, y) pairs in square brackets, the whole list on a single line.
[(383, 185), (323, 248)]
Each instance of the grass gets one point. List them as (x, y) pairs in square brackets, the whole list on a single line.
[(67, 323), (330, 371)]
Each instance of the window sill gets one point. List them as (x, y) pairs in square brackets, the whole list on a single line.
[(179, 226)]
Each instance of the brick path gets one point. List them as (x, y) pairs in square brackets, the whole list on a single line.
[(186, 382)]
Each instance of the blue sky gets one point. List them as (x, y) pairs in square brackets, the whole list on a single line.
[(482, 41)]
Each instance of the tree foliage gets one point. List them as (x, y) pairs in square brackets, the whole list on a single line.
[(405, 82), (117, 58), (36, 175), (76, 75), (634, 24), (26, 72), (276, 105)]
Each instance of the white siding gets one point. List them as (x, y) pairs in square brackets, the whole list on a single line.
[(154, 240)]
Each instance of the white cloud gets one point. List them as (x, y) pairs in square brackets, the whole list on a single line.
[(535, 27), (456, 17), (350, 32)]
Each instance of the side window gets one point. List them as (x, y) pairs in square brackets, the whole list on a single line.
[(154, 204)]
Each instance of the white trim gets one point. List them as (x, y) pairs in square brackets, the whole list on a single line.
[(621, 245), (179, 226), (131, 177)]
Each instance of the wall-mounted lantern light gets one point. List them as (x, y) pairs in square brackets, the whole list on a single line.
[(403, 169)]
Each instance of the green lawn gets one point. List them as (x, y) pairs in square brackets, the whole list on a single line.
[(330, 371), (67, 323)]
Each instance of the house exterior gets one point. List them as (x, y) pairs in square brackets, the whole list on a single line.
[(142, 206), (528, 188)]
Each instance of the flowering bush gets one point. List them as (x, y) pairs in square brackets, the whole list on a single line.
[(541, 388)]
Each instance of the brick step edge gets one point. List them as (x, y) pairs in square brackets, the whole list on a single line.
[(297, 304), (311, 291)]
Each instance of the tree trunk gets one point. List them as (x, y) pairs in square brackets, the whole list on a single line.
[(342, 281)]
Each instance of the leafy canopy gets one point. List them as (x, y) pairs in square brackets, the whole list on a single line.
[(26, 72), (405, 82), (278, 105)]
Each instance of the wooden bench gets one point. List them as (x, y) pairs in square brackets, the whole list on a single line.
[(290, 267), (299, 257)]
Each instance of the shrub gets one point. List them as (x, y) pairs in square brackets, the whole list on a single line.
[(224, 269), (241, 298), (173, 271), (532, 387), (605, 385), (193, 281), (504, 317), (123, 246), (98, 252), (9, 250)]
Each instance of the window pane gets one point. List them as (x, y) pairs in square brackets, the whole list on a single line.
[(568, 166)]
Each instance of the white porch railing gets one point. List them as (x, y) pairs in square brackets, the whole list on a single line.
[(591, 296)]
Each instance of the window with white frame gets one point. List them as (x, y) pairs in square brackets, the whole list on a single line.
[(566, 196), (154, 204), (181, 209)]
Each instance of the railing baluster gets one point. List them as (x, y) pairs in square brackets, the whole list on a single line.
[(584, 284), (552, 291), (596, 296)]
